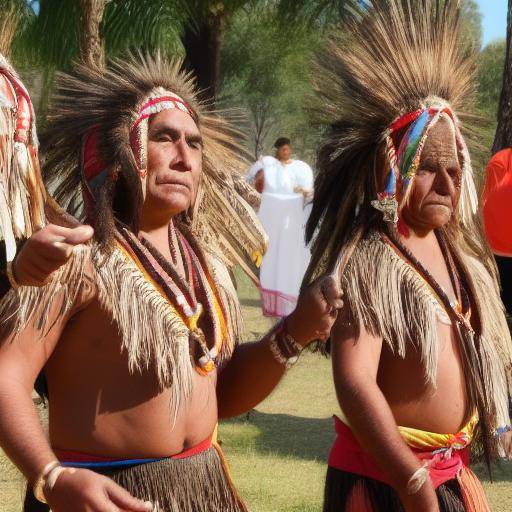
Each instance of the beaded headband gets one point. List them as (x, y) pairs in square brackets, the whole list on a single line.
[(94, 170), (408, 133)]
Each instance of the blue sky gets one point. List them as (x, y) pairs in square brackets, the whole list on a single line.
[(494, 19)]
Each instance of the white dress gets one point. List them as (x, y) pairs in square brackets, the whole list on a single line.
[(283, 215)]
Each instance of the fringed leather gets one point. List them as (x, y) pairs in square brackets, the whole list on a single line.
[(28, 303), (388, 298)]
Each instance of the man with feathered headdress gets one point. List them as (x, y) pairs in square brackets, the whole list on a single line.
[(421, 354), (137, 334)]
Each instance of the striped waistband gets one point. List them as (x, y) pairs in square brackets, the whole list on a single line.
[(87, 461)]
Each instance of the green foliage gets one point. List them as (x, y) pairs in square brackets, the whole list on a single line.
[(266, 73), (472, 23), (490, 77)]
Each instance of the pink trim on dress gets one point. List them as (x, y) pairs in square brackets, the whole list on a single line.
[(277, 304)]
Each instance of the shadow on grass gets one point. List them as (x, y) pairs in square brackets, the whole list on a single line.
[(283, 434)]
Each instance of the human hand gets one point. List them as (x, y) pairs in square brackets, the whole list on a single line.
[(46, 251), (90, 492), (316, 311)]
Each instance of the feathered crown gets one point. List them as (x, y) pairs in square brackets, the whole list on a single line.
[(396, 66), (103, 108)]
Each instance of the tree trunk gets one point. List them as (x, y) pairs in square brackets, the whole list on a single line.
[(91, 43), (203, 46), (503, 138)]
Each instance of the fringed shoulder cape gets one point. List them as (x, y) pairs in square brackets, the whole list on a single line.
[(152, 332), (393, 301)]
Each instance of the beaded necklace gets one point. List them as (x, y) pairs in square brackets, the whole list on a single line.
[(186, 291)]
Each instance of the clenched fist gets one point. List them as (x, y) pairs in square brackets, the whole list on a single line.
[(316, 311), (46, 251)]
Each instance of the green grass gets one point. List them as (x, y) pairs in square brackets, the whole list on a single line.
[(277, 454)]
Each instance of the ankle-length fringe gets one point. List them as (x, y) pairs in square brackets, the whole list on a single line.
[(348, 492), (196, 484)]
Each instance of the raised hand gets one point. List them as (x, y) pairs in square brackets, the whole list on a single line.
[(316, 311), (46, 251)]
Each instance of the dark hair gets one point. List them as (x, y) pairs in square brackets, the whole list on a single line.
[(282, 141)]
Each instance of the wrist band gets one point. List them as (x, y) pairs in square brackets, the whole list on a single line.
[(38, 487), (9, 270), (54, 475), (417, 480), (284, 348)]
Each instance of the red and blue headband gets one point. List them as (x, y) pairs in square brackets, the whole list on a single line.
[(408, 133), (94, 171)]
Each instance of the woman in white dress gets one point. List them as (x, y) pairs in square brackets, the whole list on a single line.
[(287, 188)]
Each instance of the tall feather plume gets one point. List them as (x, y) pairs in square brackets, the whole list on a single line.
[(110, 98), (389, 58)]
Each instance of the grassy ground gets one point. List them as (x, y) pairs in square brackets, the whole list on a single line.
[(277, 453)]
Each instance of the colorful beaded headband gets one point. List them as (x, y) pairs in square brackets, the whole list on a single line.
[(94, 170), (409, 133)]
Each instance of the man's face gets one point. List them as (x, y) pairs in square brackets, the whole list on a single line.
[(436, 187), (175, 151), (284, 152)]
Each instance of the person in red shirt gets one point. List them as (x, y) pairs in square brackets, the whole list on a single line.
[(497, 213)]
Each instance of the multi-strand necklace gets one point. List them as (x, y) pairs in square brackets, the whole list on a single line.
[(185, 284)]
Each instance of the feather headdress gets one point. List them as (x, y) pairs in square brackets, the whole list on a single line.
[(22, 194), (392, 59), (107, 101)]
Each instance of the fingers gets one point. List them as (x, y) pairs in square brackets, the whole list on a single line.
[(72, 236), (79, 235), (126, 502)]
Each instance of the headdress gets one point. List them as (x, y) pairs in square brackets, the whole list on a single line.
[(22, 195), (96, 147), (398, 67)]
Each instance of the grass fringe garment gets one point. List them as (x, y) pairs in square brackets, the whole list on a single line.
[(200, 483), (347, 492), (390, 299)]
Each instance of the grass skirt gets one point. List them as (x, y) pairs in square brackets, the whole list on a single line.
[(200, 483), (348, 492)]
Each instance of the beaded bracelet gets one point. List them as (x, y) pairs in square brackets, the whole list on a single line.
[(284, 348)]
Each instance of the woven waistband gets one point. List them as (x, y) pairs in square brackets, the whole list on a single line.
[(84, 460)]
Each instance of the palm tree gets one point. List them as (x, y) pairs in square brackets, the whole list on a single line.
[(90, 40)]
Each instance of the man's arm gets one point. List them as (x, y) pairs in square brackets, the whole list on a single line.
[(355, 364), (253, 372), (21, 434)]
